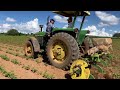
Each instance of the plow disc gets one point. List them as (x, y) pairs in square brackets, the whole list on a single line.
[(79, 70)]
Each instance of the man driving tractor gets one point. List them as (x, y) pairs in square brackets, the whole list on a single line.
[(50, 26), (69, 22)]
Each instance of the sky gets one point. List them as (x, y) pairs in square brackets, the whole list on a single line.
[(100, 23)]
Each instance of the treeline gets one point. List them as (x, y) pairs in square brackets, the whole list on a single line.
[(14, 32), (117, 35)]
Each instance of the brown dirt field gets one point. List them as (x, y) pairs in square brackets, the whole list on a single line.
[(19, 72), (15, 49), (58, 73)]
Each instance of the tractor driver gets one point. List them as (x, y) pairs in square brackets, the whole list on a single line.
[(69, 22), (50, 26)]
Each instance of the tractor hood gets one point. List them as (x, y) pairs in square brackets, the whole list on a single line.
[(72, 13)]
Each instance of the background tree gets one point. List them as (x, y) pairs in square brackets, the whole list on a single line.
[(116, 35), (13, 32)]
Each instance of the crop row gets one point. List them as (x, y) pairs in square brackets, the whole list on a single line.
[(11, 75)]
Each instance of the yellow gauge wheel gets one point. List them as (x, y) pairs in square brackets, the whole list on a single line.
[(79, 70)]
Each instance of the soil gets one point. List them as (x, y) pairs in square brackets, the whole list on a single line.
[(22, 73), (43, 67)]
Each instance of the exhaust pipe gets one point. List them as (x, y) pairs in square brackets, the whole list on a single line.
[(41, 26)]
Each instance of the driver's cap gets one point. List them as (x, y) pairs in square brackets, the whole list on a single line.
[(52, 20)]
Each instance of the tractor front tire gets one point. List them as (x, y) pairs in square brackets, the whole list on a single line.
[(62, 49), (29, 50)]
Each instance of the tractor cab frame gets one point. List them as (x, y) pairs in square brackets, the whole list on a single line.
[(79, 34)]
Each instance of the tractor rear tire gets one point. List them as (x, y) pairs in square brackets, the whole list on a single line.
[(71, 52), (30, 53)]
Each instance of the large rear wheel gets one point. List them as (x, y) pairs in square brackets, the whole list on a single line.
[(62, 49)]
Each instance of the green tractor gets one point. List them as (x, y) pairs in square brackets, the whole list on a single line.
[(67, 48)]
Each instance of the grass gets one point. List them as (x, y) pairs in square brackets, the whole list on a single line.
[(15, 61), (13, 40), (47, 75), (5, 57), (7, 74)]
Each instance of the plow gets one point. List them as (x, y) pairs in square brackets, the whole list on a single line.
[(80, 69), (71, 49)]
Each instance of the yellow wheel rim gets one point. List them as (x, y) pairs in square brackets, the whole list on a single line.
[(58, 52), (78, 70), (29, 50)]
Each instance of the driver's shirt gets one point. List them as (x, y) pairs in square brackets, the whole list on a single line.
[(70, 25), (50, 26)]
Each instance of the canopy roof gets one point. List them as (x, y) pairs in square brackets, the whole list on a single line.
[(72, 13)]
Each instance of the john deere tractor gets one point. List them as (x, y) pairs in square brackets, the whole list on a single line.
[(69, 48)]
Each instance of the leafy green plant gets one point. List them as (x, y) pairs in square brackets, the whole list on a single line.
[(5, 57), (7, 74), (47, 75), (15, 61), (2, 69), (34, 70), (10, 75)]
